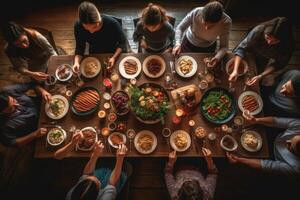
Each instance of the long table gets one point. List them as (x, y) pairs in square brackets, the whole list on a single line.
[(44, 150)]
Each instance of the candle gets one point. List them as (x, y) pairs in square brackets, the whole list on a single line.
[(179, 112)]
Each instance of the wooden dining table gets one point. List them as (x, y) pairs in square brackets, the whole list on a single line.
[(45, 150)]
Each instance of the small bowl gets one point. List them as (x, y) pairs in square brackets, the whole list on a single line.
[(228, 143), (116, 134)]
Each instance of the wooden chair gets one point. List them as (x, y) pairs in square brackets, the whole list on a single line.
[(49, 36), (171, 20)]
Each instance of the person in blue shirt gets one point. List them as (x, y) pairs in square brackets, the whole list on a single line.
[(271, 43), (19, 115), (286, 148), (103, 33)]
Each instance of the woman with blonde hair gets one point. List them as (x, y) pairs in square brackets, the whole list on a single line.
[(153, 31)]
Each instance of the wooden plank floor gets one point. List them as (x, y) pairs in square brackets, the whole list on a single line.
[(52, 179)]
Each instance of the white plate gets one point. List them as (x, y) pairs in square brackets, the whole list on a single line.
[(162, 70), (65, 111), (231, 61), (256, 96), (116, 133), (96, 139), (141, 133), (235, 144), (192, 72), (69, 70), (122, 69), (172, 142), (257, 135), (64, 136), (90, 59)]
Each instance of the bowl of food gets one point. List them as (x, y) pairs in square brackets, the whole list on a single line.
[(228, 143), (56, 136), (145, 142), (90, 67), (130, 67), (217, 105), (120, 102), (251, 141), (115, 139), (200, 132), (243, 68), (154, 66), (85, 101), (64, 72), (180, 140), (250, 101), (186, 66), (57, 107), (89, 139), (149, 102)]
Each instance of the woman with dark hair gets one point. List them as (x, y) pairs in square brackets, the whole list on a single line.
[(154, 33), (28, 50), (90, 185), (189, 183), (272, 45), (203, 26), (103, 33)]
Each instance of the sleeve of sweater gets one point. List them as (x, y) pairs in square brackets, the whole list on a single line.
[(138, 32), (183, 25), (79, 38), (119, 34), (170, 181), (172, 36), (224, 40), (46, 45)]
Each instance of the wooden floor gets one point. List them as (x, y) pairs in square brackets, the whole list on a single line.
[(51, 179)]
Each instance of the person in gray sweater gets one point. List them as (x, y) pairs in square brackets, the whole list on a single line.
[(153, 31), (203, 26)]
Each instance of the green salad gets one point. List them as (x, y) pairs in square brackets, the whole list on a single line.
[(217, 106), (149, 103)]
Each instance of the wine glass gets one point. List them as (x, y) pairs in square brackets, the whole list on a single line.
[(130, 134)]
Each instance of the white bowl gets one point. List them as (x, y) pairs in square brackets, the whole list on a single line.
[(116, 133), (64, 135), (230, 138), (231, 61)]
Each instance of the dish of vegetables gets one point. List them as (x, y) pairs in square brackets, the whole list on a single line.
[(120, 101), (149, 103), (217, 106)]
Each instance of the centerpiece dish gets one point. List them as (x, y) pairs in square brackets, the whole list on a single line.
[(154, 66), (90, 67), (149, 103), (57, 107), (85, 101), (217, 105)]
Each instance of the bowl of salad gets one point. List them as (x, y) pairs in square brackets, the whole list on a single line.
[(217, 105), (149, 102)]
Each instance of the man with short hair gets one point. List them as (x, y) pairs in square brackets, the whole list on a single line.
[(286, 148), (19, 115)]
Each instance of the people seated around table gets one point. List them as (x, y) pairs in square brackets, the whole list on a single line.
[(271, 43), (286, 148), (153, 31), (284, 99), (19, 115), (203, 26), (28, 50), (103, 33), (100, 184), (189, 182)]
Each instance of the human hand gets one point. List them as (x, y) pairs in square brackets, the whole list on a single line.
[(39, 76), (254, 80), (40, 132), (111, 62), (46, 95), (248, 117), (76, 137), (98, 149), (172, 158), (232, 158), (233, 77), (176, 50), (213, 62), (120, 154), (76, 67), (143, 44)]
